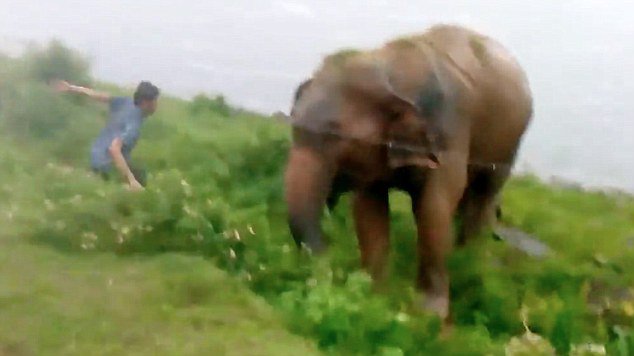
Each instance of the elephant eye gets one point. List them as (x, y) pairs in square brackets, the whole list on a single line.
[(391, 114)]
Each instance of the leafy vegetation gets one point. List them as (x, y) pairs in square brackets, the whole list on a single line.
[(215, 191), (202, 103)]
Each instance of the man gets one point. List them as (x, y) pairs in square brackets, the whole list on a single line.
[(118, 138)]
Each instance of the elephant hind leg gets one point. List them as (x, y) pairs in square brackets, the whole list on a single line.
[(479, 207)]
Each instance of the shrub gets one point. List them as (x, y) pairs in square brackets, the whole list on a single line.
[(202, 103), (30, 109), (57, 61)]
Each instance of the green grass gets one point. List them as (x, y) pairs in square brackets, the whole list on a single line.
[(202, 261), (100, 304), (57, 303)]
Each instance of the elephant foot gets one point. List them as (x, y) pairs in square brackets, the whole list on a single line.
[(435, 303), (315, 248), (446, 330), (380, 283)]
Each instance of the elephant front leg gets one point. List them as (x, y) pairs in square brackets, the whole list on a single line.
[(307, 182), (371, 214), (434, 208)]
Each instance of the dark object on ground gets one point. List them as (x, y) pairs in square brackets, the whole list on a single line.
[(523, 241)]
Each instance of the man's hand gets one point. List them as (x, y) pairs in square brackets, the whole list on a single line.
[(61, 86), (122, 165), (135, 186)]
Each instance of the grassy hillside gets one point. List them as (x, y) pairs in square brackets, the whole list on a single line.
[(91, 267), (58, 304)]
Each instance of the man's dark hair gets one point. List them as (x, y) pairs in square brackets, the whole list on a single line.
[(145, 91)]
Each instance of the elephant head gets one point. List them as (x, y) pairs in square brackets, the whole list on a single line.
[(350, 117)]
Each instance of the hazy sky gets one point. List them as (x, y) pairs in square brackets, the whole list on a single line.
[(578, 55)]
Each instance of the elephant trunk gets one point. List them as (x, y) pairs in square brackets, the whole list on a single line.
[(307, 183)]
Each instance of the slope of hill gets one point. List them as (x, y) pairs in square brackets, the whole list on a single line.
[(89, 267), (59, 304)]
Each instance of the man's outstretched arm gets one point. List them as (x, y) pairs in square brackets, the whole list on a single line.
[(121, 164), (65, 87)]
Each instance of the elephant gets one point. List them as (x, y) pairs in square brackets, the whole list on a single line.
[(439, 115)]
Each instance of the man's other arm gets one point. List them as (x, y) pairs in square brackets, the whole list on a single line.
[(65, 87), (121, 164)]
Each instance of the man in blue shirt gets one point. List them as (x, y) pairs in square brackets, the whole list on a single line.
[(118, 138)]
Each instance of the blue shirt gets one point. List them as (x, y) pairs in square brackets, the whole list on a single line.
[(125, 123)]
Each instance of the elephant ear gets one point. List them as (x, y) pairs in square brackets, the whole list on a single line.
[(434, 106), (369, 76), (415, 132), (301, 89)]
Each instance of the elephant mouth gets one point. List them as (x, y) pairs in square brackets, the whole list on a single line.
[(429, 161)]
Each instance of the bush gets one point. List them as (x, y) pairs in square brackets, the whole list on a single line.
[(57, 61), (217, 105), (30, 109), (33, 110)]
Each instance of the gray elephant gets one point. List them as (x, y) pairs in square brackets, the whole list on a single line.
[(438, 115)]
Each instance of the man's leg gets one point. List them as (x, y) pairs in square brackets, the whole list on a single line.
[(101, 173)]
